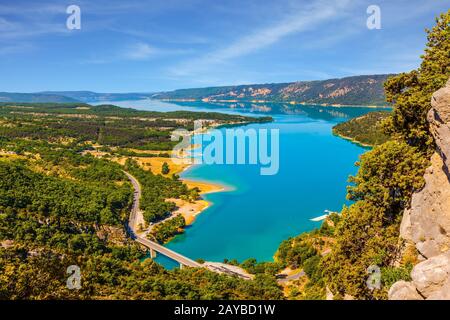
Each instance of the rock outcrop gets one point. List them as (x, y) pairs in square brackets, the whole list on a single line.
[(113, 235), (430, 275), (439, 119), (426, 224), (403, 290)]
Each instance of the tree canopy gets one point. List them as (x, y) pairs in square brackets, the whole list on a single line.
[(411, 92)]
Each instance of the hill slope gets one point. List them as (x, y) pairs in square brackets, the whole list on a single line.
[(69, 96), (358, 90), (90, 96), (34, 97), (365, 130)]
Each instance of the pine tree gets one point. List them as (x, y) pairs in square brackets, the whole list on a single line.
[(411, 92)]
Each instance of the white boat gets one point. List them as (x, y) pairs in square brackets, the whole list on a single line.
[(322, 217)]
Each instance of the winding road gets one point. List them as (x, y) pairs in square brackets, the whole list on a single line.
[(136, 214), (292, 277), (133, 230)]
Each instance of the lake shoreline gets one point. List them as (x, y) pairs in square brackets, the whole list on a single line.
[(352, 140), (190, 211), (253, 220), (305, 104)]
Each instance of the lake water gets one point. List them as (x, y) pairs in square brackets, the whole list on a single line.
[(259, 212)]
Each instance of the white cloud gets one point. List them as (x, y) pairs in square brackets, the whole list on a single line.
[(15, 49), (140, 51), (308, 17), (31, 9), (25, 23), (6, 25)]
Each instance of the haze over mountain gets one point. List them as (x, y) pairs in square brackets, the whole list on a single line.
[(137, 46), (90, 96), (33, 97), (357, 90), (70, 96)]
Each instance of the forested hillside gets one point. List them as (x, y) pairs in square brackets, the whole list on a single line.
[(34, 97), (365, 238), (108, 125), (366, 130), (358, 90), (63, 202), (90, 96)]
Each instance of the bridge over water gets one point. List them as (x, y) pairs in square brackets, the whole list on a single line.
[(156, 247), (152, 245)]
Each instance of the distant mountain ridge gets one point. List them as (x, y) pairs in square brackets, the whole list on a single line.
[(69, 96), (90, 96), (356, 90), (34, 97)]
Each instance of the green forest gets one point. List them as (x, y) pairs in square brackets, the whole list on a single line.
[(360, 90), (61, 206), (110, 126), (367, 232), (366, 130), (155, 189)]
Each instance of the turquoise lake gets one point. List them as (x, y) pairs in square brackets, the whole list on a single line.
[(258, 212)]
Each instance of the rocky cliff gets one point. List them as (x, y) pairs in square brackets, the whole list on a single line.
[(357, 90), (426, 224)]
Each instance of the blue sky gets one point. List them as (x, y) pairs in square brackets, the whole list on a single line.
[(146, 46)]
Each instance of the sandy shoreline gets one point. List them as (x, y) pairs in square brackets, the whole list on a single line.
[(190, 210)]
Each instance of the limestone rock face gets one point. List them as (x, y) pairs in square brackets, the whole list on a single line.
[(329, 294), (439, 119), (442, 294), (405, 226), (403, 290), (429, 276), (427, 222)]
